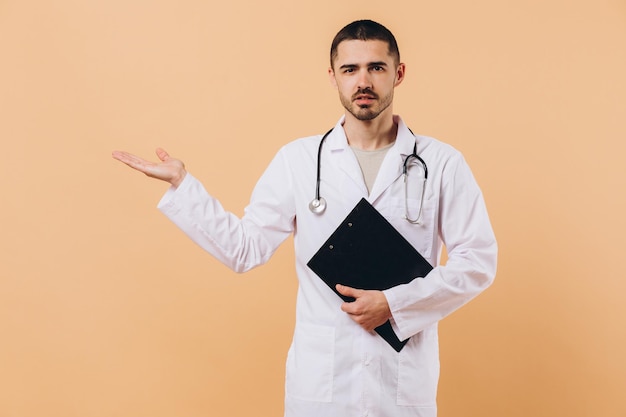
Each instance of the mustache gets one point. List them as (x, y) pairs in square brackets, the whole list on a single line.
[(364, 92)]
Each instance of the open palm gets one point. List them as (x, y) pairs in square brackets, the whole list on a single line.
[(169, 169)]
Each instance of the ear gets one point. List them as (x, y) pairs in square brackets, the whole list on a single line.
[(400, 73), (331, 77)]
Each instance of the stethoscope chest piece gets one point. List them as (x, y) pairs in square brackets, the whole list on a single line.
[(317, 205)]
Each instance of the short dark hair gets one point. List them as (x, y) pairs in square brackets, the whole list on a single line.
[(365, 30)]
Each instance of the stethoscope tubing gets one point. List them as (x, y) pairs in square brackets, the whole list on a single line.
[(318, 204)]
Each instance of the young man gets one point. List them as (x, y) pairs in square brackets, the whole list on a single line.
[(337, 366)]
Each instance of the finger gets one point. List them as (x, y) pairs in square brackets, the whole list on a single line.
[(121, 155), (348, 291), (350, 309), (130, 160)]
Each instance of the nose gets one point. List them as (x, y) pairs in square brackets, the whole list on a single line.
[(365, 80)]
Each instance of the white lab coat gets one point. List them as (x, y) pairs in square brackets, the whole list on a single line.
[(334, 367)]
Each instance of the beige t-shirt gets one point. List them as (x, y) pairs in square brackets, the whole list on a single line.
[(370, 162)]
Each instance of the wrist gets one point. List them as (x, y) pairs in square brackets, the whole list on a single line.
[(178, 179)]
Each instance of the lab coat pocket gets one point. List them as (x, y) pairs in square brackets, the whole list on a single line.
[(310, 363), (418, 370), (420, 235)]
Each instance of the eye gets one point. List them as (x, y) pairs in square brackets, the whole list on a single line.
[(377, 68)]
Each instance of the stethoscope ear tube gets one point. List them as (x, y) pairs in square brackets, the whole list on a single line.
[(418, 219), (416, 156)]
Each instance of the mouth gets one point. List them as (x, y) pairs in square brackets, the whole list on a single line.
[(364, 99)]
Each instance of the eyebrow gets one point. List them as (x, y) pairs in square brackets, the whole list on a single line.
[(369, 64)]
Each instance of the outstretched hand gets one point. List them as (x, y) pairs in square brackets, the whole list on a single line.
[(369, 309), (169, 169)]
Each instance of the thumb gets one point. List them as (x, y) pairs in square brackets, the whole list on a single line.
[(162, 154), (348, 291)]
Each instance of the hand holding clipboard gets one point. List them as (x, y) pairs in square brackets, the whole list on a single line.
[(367, 252)]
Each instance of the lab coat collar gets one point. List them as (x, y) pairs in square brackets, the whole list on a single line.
[(391, 167), (337, 139), (405, 140)]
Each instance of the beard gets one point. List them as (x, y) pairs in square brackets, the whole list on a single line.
[(366, 112)]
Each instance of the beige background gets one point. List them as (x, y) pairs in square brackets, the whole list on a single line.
[(106, 309)]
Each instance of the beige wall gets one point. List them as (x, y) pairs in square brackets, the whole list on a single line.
[(106, 309)]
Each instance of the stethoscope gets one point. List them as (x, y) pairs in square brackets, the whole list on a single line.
[(318, 204)]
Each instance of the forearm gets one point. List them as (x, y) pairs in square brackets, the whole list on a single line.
[(466, 232), (240, 244), (424, 301)]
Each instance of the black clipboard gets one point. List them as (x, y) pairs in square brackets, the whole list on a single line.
[(367, 252)]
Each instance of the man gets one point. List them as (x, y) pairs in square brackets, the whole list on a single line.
[(337, 366)]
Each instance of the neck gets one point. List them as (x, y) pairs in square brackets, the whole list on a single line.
[(370, 134)]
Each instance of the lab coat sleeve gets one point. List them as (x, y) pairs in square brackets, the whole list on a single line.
[(465, 229), (239, 243)]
